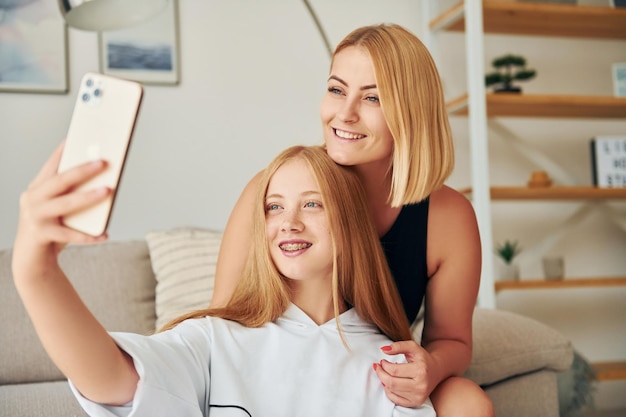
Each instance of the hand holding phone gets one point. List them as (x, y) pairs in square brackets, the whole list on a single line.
[(101, 127)]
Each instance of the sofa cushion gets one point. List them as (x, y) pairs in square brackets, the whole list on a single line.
[(115, 281), (49, 399), (22, 357), (533, 394), (508, 344), (183, 260)]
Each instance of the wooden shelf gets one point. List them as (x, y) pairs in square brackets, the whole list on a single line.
[(563, 283), (610, 371), (553, 193), (550, 20), (543, 19), (544, 105)]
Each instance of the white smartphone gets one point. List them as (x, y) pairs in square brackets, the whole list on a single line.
[(101, 127)]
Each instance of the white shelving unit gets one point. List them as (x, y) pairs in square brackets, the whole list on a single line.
[(476, 18), (472, 14)]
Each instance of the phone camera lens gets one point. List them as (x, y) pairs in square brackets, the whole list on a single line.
[(89, 83), (96, 92), (86, 97)]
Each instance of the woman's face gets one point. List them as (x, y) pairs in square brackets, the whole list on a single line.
[(355, 130), (296, 226)]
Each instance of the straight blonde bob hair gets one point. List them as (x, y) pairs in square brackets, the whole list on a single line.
[(412, 102), (360, 278)]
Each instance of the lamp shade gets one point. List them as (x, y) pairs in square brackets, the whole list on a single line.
[(98, 15)]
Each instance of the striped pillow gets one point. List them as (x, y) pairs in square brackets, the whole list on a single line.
[(183, 261)]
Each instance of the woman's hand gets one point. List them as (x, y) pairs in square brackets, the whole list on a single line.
[(407, 384)]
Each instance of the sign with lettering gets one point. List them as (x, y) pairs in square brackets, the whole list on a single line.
[(608, 159)]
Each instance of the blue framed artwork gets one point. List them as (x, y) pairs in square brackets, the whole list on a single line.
[(33, 47), (147, 52)]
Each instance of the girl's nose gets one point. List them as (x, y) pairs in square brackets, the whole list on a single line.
[(292, 222)]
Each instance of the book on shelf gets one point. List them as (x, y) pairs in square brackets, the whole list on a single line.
[(608, 161), (619, 79)]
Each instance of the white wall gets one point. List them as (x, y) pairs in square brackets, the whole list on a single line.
[(252, 75)]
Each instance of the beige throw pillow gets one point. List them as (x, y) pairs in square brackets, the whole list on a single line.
[(183, 261)]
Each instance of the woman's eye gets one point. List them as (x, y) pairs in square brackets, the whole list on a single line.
[(334, 90), (312, 204), (373, 99), (271, 207)]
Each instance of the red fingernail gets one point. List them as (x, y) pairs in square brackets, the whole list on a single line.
[(375, 365), (385, 348)]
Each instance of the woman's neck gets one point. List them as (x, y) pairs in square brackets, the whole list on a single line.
[(377, 182)]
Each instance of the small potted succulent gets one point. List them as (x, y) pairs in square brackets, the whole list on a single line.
[(508, 69), (507, 252)]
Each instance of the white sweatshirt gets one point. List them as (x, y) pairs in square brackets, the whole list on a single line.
[(288, 368)]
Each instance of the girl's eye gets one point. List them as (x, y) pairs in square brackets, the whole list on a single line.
[(271, 207), (373, 99), (312, 204)]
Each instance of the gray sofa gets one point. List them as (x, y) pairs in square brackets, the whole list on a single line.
[(515, 358)]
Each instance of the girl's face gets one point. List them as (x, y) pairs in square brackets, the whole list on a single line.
[(355, 130), (296, 227)]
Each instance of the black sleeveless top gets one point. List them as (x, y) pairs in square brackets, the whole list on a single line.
[(405, 249)]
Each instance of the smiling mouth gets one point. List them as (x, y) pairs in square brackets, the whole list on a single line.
[(292, 247), (347, 135)]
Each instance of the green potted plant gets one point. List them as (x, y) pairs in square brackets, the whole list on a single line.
[(507, 252), (509, 68)]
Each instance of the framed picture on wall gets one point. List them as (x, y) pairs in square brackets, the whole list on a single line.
[(33, 48), (147, 53)]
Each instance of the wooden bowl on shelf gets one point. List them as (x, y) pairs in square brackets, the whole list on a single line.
[(539, 179)]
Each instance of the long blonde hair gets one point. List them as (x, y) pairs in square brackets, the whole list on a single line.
[(411, 98), (361, 277)]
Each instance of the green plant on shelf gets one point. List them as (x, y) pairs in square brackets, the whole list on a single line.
[(508, 251), (509, 68)]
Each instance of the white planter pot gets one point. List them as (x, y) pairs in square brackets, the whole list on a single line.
[(508, 272)]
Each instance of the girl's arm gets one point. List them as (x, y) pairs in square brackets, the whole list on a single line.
[(235, 245), (72, 337)]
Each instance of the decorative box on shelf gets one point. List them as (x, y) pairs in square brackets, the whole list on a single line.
[(608, 161)]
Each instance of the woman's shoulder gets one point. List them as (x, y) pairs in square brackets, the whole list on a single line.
[(447, 194), (446, 201), (451, 217)]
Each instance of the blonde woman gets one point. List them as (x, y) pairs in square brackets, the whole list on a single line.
[(301, 335), (384, 115)]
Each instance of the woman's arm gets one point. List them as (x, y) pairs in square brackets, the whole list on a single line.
[(73, 338), (235, 245), (454, 257), (454, 261)]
